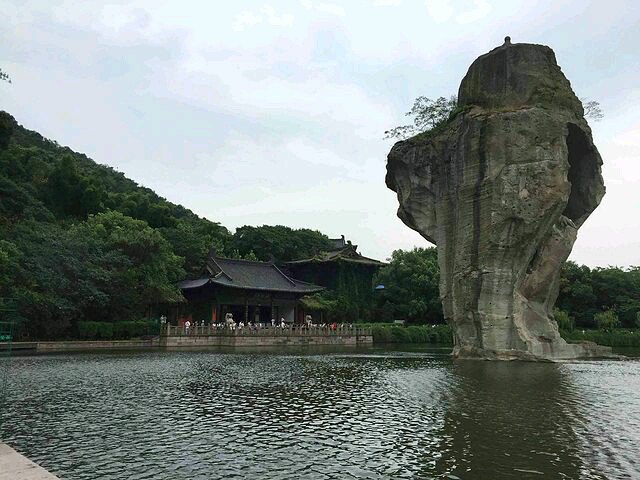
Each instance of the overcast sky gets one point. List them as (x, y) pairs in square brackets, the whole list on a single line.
[(274, 112)]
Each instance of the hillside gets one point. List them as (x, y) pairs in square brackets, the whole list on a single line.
[(80, 241)]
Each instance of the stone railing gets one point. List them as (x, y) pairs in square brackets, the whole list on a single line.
[(267, 331)]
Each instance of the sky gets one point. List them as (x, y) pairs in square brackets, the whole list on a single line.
[(254, 112)]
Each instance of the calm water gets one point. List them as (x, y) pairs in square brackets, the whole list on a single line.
[(380, 414)]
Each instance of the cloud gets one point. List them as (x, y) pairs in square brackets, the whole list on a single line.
[(481, 10), (267, 14), (330, 8), (246, 19), (439, 10), (629, 137), (246, 114), (386, 3), (277, 19), (324, 7)]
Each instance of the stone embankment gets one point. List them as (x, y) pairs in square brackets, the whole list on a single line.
[(178, 337), (14, 466)]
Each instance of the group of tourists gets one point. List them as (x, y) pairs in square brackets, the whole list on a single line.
[(230, 324)]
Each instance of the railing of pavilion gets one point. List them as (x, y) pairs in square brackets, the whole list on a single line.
[(267, 331)]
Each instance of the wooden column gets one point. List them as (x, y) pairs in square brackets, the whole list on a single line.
[(272, 312), (246, 310)]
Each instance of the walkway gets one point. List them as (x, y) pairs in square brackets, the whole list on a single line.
[(14, 466)]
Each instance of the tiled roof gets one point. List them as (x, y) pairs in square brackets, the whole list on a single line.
[(249, 275), (347, 254), (187, 284)]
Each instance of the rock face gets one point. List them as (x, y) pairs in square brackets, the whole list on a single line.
[(502, 189)]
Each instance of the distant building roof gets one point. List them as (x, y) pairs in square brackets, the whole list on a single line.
[(338, 243), (347, 253), (249, 275)]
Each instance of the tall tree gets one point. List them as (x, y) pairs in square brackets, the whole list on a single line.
[(278, 243), (411, 286)]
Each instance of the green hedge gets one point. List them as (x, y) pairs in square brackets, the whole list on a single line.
[(116, 330), (619, 337), (390, 333), (386, 333)]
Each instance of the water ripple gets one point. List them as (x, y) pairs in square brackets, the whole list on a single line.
[(381, 415)]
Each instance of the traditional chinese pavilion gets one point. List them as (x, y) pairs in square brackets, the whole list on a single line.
[(251, 291), (342, 268)]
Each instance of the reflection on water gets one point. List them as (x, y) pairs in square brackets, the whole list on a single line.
[(511, 420), (379, 414)]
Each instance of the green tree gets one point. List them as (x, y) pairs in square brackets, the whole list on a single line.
[(193, 239), (592, 109), (427, 114), (411, 285), (68, 193), (278, 243), (576, 294), (607, 320), (153, 267), (564, 321)]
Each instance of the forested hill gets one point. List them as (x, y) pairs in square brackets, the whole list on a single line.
[(80, 241)]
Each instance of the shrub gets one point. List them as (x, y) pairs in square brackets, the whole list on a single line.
[(565, 322), (105, 330), (413, 334), (116, 330), (607, 320)]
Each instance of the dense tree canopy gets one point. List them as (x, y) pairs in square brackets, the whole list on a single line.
[(82, 242), (585, 292), (278, 243), (411, 286)]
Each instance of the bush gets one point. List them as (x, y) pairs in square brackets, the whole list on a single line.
[(116, 330), (87, 330), (105, 330), (607, 320), (617, 338), (565, 322), (413, 334)]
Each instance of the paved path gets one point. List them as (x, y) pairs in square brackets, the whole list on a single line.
[(14, 466)]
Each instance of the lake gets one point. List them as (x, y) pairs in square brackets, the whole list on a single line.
[(374, 414)]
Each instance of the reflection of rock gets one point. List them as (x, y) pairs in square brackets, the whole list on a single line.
[(502, 190), (510, 420)]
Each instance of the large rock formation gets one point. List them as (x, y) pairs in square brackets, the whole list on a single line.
[(502, 189)]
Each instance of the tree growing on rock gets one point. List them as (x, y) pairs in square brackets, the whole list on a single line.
[(429, 114)]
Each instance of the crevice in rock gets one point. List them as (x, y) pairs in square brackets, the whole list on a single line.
[(533, 261), (583, 174)]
